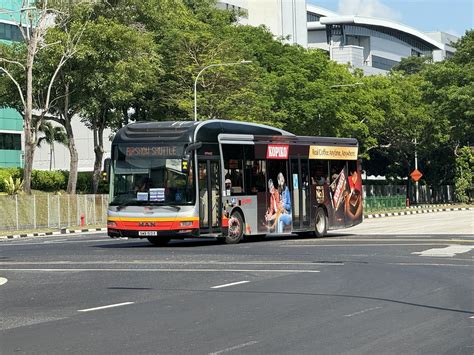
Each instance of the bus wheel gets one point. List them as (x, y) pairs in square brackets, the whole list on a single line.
[(159, 242), (321, 227), (236, 229)]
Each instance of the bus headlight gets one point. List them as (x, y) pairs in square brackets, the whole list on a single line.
[(186, 224)]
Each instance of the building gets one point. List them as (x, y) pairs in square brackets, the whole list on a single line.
[(374, 45), (11, 121), (282, 17)]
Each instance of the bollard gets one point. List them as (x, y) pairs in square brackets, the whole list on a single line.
[(408, 202), (83, 222)]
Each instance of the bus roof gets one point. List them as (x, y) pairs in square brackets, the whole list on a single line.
[(190, 131), (299, 140)]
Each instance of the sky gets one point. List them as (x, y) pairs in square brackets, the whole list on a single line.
[(452, 16)]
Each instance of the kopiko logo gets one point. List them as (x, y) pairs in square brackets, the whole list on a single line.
[(277, 151), (146, 224)]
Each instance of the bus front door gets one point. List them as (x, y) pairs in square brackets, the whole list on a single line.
[(209, 196)]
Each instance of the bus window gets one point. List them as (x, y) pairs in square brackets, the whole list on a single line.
[(233, 168), (319, 171), (254, 177)]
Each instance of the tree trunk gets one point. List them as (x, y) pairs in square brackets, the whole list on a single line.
[(74, 160), (99, 154), (28, 165), (51, 150), (73, 155), (28, 123)]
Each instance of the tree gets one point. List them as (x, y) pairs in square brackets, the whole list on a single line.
[(118, 62), (18, 62), (464, 174), (412, 65), (51, 135)]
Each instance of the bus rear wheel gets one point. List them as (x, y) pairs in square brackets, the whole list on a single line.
[(236, 228), (159, 242), (321, 225)]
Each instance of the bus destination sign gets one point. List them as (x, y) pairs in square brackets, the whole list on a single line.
[(153, 151), (332, 152)]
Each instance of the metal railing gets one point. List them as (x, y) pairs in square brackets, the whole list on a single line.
[(21, 212), (384, 203)]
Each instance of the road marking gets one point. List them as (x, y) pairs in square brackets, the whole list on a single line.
[(363, 311), (360, 245), (3, 281), (165, 270), (231, 284), (157, 262), (446, 252), (240, 346), (104, 307), (471, 317)]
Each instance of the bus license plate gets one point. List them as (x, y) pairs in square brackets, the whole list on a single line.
[(147, 233)]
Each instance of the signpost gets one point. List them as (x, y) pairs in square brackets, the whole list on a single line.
[(416, 175)]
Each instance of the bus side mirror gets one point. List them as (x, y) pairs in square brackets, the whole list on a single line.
[(192, 147), (106, 171)]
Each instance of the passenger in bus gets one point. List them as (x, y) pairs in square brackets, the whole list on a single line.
[(285, 203), (273, 211), (143, 184)]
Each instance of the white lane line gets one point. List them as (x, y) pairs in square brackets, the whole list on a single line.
[(361, 312), (231, 284), (157, 262), (240, 346), (446, 252), (164, 270), (3, 281), (104, 307)]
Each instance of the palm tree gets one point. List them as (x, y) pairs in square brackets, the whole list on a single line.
[(51, 134)]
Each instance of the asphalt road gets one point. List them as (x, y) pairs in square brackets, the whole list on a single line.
[(389, 286)]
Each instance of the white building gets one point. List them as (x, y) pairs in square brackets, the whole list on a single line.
[(374, 45), (85, 148)]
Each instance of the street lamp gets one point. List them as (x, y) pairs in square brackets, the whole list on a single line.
[(342, 85), (207, 67)]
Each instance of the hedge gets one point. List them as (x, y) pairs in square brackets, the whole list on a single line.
[(51, 181)]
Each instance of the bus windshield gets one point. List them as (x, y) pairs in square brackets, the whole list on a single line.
[(143, 176)]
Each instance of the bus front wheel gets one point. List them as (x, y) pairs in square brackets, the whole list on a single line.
[(236, 228), (321, 226), (159, 242)]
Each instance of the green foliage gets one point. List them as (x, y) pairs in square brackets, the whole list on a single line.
[(13, 187), (464, 174), (84, 183), (48, 180), (6, 174), (412, 65)]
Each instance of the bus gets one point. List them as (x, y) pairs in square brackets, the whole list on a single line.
[(228, 179)]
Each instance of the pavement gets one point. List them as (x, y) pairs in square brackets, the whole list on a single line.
[(392, 285)]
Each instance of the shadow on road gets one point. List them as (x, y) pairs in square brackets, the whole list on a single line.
[(470, 312), (205, 242)]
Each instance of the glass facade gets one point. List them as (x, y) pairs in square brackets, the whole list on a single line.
[(11, 122)]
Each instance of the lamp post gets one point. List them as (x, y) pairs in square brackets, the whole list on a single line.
[(207, 67), (343, 85)]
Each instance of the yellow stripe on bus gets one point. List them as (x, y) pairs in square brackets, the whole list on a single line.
[(152, 219)]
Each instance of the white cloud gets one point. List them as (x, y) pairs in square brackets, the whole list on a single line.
[(368, 8)]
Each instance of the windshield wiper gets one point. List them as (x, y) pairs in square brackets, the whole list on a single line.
[(126, 203), (161, 204)]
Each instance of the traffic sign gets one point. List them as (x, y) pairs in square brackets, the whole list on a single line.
[(416, 175)]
